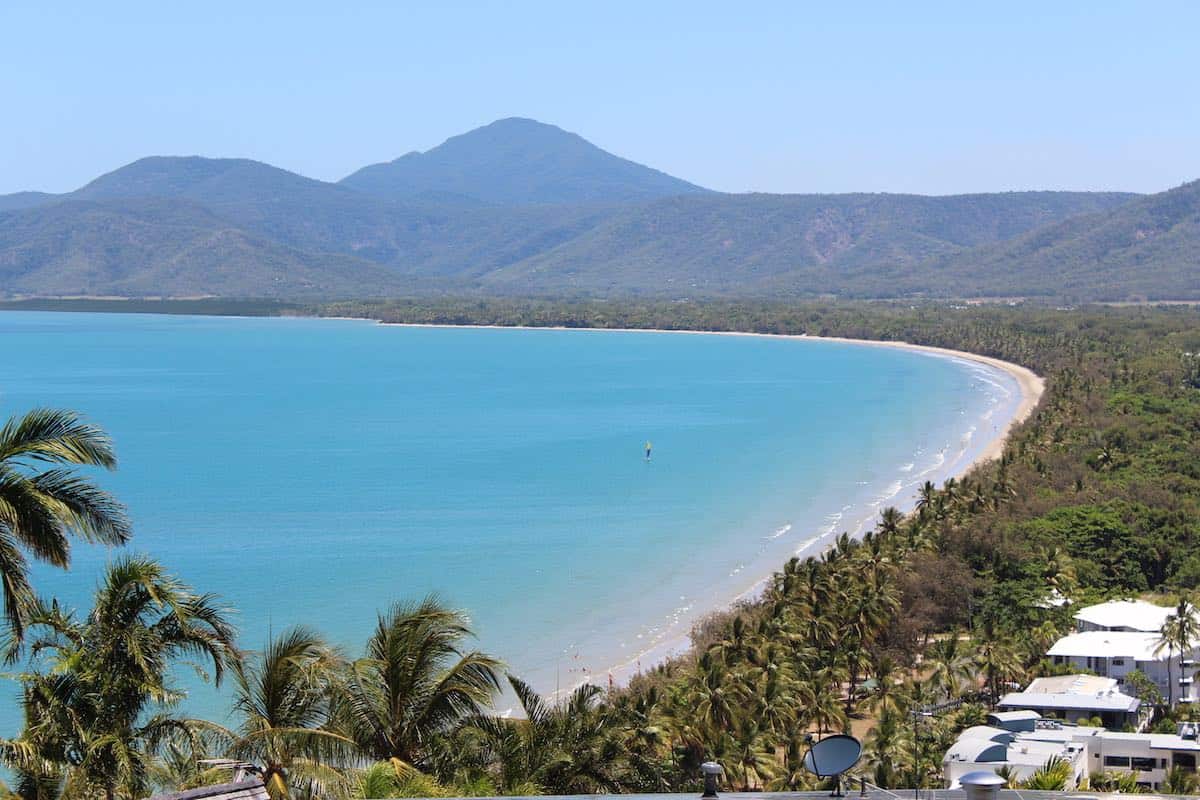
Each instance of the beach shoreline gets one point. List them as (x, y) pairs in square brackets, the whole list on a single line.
[(670, 637), (1030, 387)]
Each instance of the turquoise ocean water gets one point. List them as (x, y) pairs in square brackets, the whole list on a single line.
[(315, 471)]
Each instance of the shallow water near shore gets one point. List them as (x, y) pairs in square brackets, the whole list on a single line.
[(315, 471)]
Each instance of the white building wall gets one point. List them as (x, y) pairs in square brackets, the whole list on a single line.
[(1156, 671), (1121, 755)]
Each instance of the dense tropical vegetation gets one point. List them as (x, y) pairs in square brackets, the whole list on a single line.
[(904, 637)]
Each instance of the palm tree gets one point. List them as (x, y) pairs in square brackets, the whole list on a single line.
[(889, 520), (1179, 633), (997, 659), (1058, 572), (416, 682), (711, 698), (888, 749), (40, 508), (753, 758), (570, 748), (888, 695), (825, 711), (926, 498), (1053, 776), (950, 662), (97, 695), (520, 748), (952, 492), (285, 701)]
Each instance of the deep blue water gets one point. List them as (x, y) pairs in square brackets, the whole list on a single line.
[(315, 471)]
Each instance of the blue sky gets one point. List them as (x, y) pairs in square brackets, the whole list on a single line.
[(786, 97)]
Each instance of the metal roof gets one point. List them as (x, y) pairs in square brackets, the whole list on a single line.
[(1135, 615), (1139, 646), (1108, 701), (244, 790), (1071, 684)]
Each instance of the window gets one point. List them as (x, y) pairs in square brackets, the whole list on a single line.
[(1116, 761), (1144, 764), (1118, 662)]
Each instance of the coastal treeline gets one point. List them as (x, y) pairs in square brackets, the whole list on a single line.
[(903, 637)]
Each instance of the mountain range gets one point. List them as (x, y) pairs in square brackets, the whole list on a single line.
[(520, 207)]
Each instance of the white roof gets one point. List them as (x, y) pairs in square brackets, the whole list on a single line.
[(1135, 615), (1076, 692), (1015, 716), (987, 732), (1071, 684), (1109, 701), (1109, 644), (1157, 741), (975, 745)]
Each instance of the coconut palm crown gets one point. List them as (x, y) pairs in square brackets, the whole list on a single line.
[(41, 507), (416, 681), (98, 696)]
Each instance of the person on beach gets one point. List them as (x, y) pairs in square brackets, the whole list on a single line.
[(649, 447)]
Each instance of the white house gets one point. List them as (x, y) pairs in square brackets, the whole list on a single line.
[(1115, 654), (1079, 697), (1008, 741), (1016, 744), (1120, 636)]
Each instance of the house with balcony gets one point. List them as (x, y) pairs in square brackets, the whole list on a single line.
[(1020, 743), (1115, 638)]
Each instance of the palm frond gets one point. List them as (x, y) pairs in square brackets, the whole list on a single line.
[(46, 434), (83, 507)]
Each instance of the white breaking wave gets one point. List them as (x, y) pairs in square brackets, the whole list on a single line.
[(892, 490), (780, 531), (807, 543)]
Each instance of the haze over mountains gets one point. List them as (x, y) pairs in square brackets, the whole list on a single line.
[(519, 207)]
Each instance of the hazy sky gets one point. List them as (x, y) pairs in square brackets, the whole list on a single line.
[(783, 97)]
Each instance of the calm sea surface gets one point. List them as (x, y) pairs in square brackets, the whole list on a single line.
[(315, 471)]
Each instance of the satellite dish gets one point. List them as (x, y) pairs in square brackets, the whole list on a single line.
[(833, 755)]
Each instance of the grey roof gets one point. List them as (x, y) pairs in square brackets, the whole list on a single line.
[(245, 790), (1072, 684), (1158, 741), (1014, 716), (1114, 701)]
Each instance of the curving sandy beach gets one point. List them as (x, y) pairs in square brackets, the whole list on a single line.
[(1029, 385)]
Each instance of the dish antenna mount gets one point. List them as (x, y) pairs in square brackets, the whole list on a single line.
[(832, 757)]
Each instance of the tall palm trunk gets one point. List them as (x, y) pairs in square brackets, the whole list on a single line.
[(1170, 683)]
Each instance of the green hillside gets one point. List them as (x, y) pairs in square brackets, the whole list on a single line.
[(1149, 247), (166, 247), (799, 244), (500, 211)]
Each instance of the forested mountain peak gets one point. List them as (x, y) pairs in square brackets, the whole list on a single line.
[(518, 160)]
